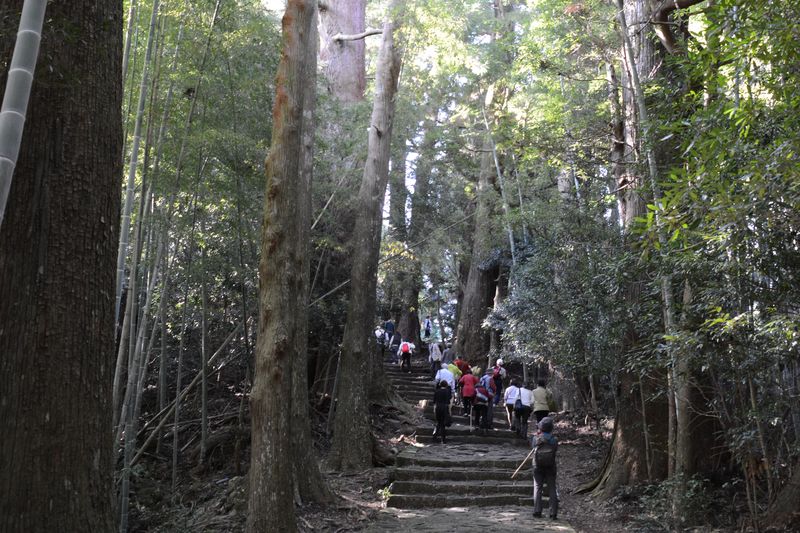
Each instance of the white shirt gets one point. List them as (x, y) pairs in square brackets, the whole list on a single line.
[(511, 395), (445, 375), (436, 353), (526, 396)]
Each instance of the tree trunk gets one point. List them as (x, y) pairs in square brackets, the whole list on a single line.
[(310, 485), (352, 444), (472, 341), (639, 442), (57, 278), (284, 283), (343, 61)]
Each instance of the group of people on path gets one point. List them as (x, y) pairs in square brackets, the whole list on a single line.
[(457, 381), (479, 396)]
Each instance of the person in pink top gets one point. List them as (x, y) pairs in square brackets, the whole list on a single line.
[(467, 384)]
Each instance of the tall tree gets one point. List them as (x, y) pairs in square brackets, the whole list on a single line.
[(342, 25), (352, 442), (57, 277), (284, 282), (472, 341)]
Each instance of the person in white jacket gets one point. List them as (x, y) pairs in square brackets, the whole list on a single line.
[(511, 395), (445, 375), (434, 357)]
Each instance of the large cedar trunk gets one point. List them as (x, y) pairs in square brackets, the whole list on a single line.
[(283, 284), (638, 451), (57, 258), (472, 341), (343, 59), (311, 487), (352, 443)]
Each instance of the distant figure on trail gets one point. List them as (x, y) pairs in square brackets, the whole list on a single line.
[(441, 401), (445, 375), (394, 347), (404, 351), (543, 401), (511, 396), (523, 409), (388, 328), (447, 353), (545, 446), (426, 326), (467, 384), (498, 375), (434, 356), (380, 336)]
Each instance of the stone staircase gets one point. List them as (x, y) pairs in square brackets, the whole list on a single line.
[(472, 470)]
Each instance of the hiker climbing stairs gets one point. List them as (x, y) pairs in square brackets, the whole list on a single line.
[(473, 469)]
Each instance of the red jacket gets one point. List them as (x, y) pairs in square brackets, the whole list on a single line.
[(462, 365), (468, 382)]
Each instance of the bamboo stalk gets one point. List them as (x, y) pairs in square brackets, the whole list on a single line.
[(17, 92)]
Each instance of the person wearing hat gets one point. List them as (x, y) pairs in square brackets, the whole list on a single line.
[(545, 447)]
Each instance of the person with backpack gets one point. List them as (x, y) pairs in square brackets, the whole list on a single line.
[(404, 351), (522, 408), (511, 396), (498, 375), (441, 402), (434, 357), (543, 401), (467, 383), (484, 398), (545, 446)]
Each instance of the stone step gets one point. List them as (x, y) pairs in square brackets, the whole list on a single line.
[(414, 386), (462, 488), (423, 501), (476, 462), (462, 429), (500, 475), (473, 439)]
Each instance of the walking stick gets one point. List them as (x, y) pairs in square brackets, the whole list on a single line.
[(523, 463)]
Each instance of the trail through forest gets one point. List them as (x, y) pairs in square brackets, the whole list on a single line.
[(361, 504)]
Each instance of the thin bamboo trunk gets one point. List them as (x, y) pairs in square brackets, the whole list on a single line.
[(17, 92), (134, 161), (203, 353), (132, 8), (181, 347)]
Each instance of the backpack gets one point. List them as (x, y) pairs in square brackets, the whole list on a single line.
[(482, 394), (545, 454), (496, 373), (405, 348)]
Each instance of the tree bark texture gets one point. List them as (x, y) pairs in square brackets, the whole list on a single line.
[(352, 439), (343, 60), (472, 341), (57, 276), (282, 283), (310, 485)]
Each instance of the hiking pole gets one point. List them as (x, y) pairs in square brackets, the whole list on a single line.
[(523, 463)]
